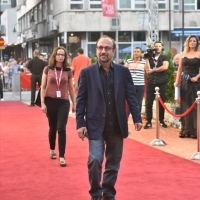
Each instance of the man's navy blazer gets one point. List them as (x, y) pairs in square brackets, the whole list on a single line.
[(91, 106)]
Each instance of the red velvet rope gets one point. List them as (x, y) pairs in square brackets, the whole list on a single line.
[(174, 115)]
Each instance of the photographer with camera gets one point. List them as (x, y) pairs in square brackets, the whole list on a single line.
[(155, 67)]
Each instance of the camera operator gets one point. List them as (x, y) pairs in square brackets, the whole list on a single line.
[(156, 67)]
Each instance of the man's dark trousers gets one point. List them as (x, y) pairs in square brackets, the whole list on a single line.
[(35, 78)]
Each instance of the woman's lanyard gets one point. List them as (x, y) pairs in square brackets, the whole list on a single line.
[(58, 80)]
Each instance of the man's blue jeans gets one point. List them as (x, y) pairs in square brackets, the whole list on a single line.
[(112, 146), (139, 89)]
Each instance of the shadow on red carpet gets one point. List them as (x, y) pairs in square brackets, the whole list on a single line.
[(27, 172)]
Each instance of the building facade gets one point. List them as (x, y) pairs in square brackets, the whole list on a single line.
[(4, 6), (45, 24)]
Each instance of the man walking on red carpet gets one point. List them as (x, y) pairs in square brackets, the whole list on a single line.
[(78, 63), (101, 116)]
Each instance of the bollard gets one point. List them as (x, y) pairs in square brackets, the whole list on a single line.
[(196, 156), (157, 141)]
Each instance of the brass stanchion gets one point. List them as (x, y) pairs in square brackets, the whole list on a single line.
[(196, 156), (157, 141)]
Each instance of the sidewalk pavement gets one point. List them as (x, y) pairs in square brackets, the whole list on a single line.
[(182, 147)]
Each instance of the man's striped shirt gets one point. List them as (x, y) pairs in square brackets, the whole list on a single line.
[(137, 71)]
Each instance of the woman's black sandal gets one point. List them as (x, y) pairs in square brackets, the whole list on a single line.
[(194, 136), (184, 134)]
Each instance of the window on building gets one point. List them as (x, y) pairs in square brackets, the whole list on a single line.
[(125, 4), (110, 34), (124, 36), (94, 4), (35, 13), (162, 4), (93, 36), (44, 9), (5, 1), (91, 50), (139, 36), (23, 23), (189, 4), (50, 7), (139, 4), (176, 4), (25, 20), (39, 12), (20, 25), (28, 20), (76, 4), (198, 4)]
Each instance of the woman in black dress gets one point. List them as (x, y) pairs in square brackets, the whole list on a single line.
[(188, 78)]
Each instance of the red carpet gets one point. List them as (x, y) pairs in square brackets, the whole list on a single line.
[(27, 172)]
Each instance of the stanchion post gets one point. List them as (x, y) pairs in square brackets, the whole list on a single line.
[(157, 141), (157, 112), (196, 156)]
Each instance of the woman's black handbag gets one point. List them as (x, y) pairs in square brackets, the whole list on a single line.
[(38, 98)]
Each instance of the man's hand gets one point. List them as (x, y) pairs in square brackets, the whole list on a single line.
[(138, 126), (81, 132), (149, 71)]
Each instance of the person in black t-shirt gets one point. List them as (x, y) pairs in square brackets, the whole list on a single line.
[(36, 66), (156, 68)]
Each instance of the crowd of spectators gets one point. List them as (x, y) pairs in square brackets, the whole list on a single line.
[(9, 68)]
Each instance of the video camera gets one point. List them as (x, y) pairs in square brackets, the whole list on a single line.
[(150, 53)]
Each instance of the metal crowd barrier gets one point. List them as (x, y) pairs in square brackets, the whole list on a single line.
[(158, 141), (16, 87)]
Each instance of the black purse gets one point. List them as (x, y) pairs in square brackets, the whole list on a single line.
[(38, 98)]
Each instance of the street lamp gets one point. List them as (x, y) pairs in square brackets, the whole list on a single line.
[(33, 26), (32, 20), (14, 29)]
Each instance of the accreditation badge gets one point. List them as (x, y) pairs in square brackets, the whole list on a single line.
[(58, 94)]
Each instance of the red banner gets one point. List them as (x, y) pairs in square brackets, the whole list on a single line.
[(108, 8)]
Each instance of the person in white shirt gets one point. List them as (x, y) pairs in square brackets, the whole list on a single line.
[(136, 67)]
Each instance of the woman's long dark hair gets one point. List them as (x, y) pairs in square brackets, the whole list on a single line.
[(52, 59)]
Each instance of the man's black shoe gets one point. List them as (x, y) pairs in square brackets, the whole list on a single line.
[(148, 125), (96, 198), (31, 105), (162, 123)]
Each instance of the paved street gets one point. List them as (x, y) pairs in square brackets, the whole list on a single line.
[(25, 96)]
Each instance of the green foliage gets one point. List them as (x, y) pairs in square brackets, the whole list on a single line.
[(93, 59), (170, 80), (127, 57)]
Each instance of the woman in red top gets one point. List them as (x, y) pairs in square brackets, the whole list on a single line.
[(55, 90)]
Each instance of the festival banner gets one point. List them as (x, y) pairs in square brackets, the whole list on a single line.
[(108, 8)]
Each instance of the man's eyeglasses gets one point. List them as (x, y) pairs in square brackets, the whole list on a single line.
[(107, 48), (62, 55)]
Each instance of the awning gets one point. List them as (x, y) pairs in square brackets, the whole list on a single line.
[(177, 32)]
